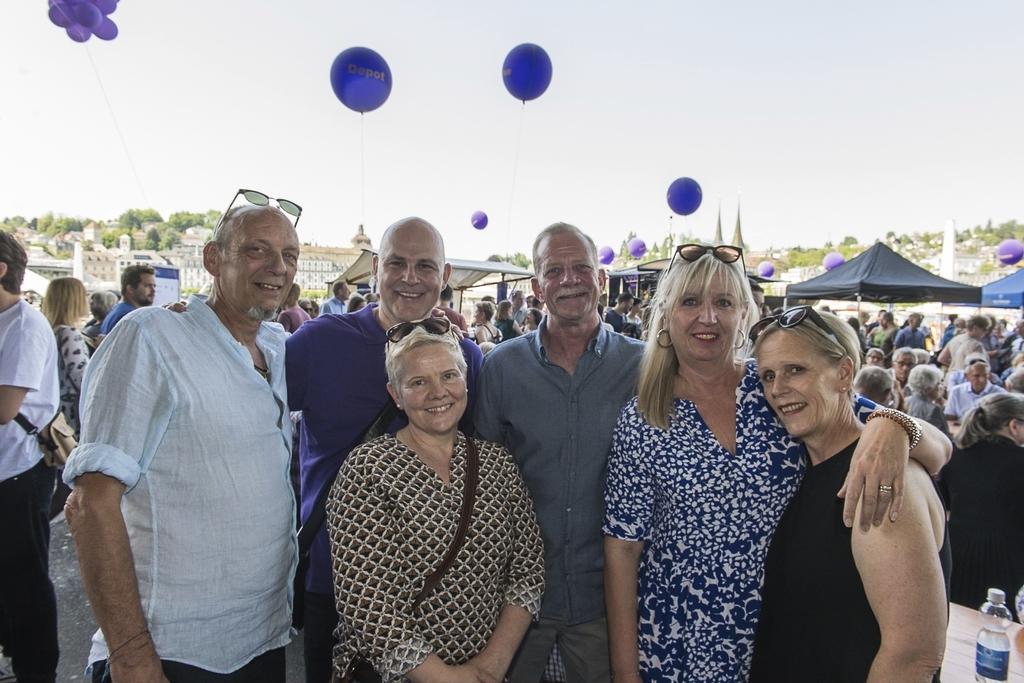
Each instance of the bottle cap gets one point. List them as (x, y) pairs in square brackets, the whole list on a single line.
[(996, 596)]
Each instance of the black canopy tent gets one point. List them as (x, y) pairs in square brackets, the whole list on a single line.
[(881, 275)]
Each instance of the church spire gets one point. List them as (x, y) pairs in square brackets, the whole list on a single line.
[(718, 231), (737, 237)]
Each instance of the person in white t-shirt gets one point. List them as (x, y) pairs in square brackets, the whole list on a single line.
[(28, 390)]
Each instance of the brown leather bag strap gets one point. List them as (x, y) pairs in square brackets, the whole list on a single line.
[(468, 498)]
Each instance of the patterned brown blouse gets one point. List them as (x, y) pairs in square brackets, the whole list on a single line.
[(392, 520)]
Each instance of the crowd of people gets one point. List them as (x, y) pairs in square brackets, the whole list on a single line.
[(629, 494)]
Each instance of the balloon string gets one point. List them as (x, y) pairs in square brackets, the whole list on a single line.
[(362, 168), (515, 169), (116, 126)]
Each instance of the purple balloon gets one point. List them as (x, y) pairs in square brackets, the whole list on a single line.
[(1010, 252), (833, 260), (62, 15), (79, 34), (107, 30), (105, 7), (88, 15), (765, 269), (637, 248), (526, 72), (479, 220), (606, 255), (684, 196), (361, 79)]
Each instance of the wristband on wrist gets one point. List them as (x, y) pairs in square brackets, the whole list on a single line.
[(908, 423)]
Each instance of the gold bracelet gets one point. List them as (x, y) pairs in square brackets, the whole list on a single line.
[(908, 423)]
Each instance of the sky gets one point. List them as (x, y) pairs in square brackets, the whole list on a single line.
[(823, 119)]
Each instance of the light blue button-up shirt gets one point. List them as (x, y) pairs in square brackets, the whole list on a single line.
[(332, 305), (173, 408)]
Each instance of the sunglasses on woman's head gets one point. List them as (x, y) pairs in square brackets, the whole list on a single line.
[(438, 326), (791, 318), (726, 253)]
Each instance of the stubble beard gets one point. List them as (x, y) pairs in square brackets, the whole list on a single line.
[(262, 315)]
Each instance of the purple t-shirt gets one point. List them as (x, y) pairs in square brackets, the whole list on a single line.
[(335, 372), (292, 318)]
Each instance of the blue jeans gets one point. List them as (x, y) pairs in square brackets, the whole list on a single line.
[(267, 668), (28, 605)]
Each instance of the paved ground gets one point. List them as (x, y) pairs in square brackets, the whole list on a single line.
[(75, 619)]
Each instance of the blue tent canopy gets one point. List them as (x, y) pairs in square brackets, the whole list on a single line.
[(1005, 293)]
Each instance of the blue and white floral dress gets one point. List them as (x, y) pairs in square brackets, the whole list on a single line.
[(707, 517)]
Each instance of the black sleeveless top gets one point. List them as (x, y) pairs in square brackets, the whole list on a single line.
[(816, 623)]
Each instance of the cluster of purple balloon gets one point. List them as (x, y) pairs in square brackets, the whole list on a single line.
[(636, 248), (1010, 251), (83, 19)]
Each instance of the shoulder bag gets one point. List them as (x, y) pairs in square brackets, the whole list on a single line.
[(359, 669), (56, 439)]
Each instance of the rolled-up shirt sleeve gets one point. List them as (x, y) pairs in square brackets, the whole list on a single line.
[(371, 586), (525, 584), (127, 402)]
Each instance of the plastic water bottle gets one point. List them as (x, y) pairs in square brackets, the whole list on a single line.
[(992, 658)]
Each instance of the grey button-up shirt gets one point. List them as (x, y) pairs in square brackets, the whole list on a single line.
[(559, 429)]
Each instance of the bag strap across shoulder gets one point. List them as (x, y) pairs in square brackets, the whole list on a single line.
[(26, 425), (468, 499)]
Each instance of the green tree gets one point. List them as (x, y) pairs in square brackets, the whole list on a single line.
[(624, 248), (112, 237), (152, 239), (15, 221), (849, 241), (48, 224), (518, 259), (132, 219), (169, 240), (183, 220)]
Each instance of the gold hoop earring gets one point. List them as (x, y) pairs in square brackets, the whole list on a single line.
[(743, 342), (662, 344)]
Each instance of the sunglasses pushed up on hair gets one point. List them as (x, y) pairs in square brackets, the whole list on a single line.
[(436, 326), (260, 199), (792, 317)]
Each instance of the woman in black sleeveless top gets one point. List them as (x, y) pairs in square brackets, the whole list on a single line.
[(838, 604)]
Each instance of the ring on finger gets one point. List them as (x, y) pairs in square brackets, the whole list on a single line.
[(884, 489)]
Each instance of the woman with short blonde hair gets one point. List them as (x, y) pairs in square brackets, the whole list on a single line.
[(394, 515)]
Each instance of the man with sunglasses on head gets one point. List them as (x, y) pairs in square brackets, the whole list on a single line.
[(552, 398), (341, 398), (182, 513)]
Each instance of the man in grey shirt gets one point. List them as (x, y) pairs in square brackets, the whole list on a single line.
[(552, 397)]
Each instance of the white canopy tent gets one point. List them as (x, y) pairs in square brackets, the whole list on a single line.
[(465, 274), (34, 282)]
